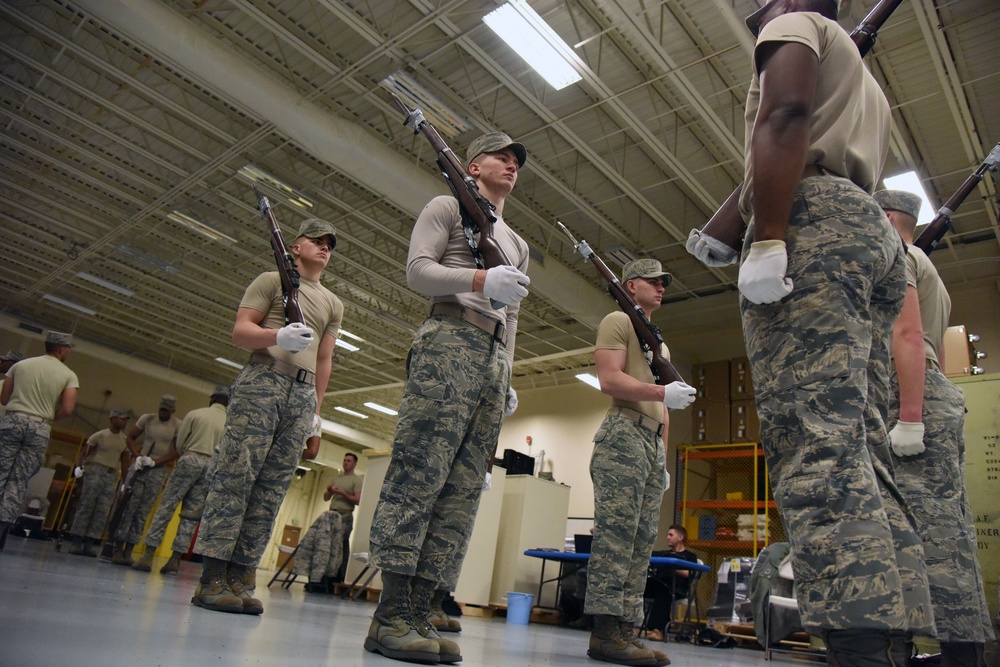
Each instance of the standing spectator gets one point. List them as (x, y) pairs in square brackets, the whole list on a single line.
[(35, 391), (344, 495)]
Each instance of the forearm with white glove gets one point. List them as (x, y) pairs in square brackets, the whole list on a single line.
[(678, 395), (511, 404), (78, 472), (710, 251), (506, 284), (294, 337), (762, 274), (907, 438)]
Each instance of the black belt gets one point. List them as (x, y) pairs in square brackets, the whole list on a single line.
[(485, 323), (639, 418), (285, 368)]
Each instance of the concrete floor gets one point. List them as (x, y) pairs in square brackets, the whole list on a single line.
[(61, 610)]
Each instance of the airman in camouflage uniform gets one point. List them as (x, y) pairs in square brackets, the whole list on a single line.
[(628, 468), (321, 551), (195, 442), (821, 281), (928, 449), (35, 391), (272, 412), (457, 393)]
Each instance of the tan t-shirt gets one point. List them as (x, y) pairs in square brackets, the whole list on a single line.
[(849, 127), (107, 448), (38, 385), (351, 484), (322, 310), (201, 429), (617, 333), (157, 435), (935, 303), (440, 263)]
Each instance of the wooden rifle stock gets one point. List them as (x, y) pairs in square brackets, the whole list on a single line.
[(287, 271), (663, 371), (477, 211), (939, 226), (727, 224)]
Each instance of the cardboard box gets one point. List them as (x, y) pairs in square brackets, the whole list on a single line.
[(744, 423), (958, 355), (740, 382), (711, 380), (710, 422)]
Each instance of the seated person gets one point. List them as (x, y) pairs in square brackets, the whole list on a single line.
[(666, 584), (321, 551)]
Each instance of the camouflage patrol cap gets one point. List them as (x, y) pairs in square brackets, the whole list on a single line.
[(493, 143), (168, 402), (645, 268), (124, 413), (12, 355), (316, 228), (899, 200), (753, 21), (221, 390), (57, 338)]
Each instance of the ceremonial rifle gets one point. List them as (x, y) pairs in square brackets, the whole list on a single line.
[(286, 264), (649, 335)]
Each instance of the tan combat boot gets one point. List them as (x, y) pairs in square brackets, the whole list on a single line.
[(213, 591), (392, 633), (608, 644), (421, 592), (242, 580), (144, 564), (77, 548), (629, 635), (123, 554), (172, 565), (438, 618)]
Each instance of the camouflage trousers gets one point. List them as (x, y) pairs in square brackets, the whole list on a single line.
[(347, 520), (321, 550), (449, 422), (267, 422), (819, 360), (145, 488), (187, 487), (95, 501), (23, 441), (933, 484), (627, 470)]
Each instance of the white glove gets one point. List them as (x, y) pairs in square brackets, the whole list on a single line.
[(762, 274), (78, 472), (505, 284), (511, 404), (488, 482), (710, 251), (145, 462), (137, 464), (666, 477), (678, 395), (317, 426), (907, 438), (294, 337)]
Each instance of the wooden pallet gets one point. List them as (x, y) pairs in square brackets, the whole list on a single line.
[(742, 634)]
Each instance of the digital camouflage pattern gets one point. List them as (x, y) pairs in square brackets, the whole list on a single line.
[(267, 422), (187, 487), (23, 440), (627, 470), (819, 360), (95, 501), (449, 422), (146, 486), (933, 484), (899, 200), (321, 551)]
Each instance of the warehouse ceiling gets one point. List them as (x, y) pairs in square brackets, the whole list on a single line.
[(117, 115)]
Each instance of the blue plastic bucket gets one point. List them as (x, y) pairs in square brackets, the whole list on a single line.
[(519, 607)]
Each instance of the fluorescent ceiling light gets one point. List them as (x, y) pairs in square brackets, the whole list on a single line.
[(443, 119), (303, 469), (227, 362), (255, 174), (124, 291), (147, 259), (351, 412), (531, 37), (381, 408), (344, 345), (69, 304), (910, 182), (589, 379), (345, 332), (207, 231)]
